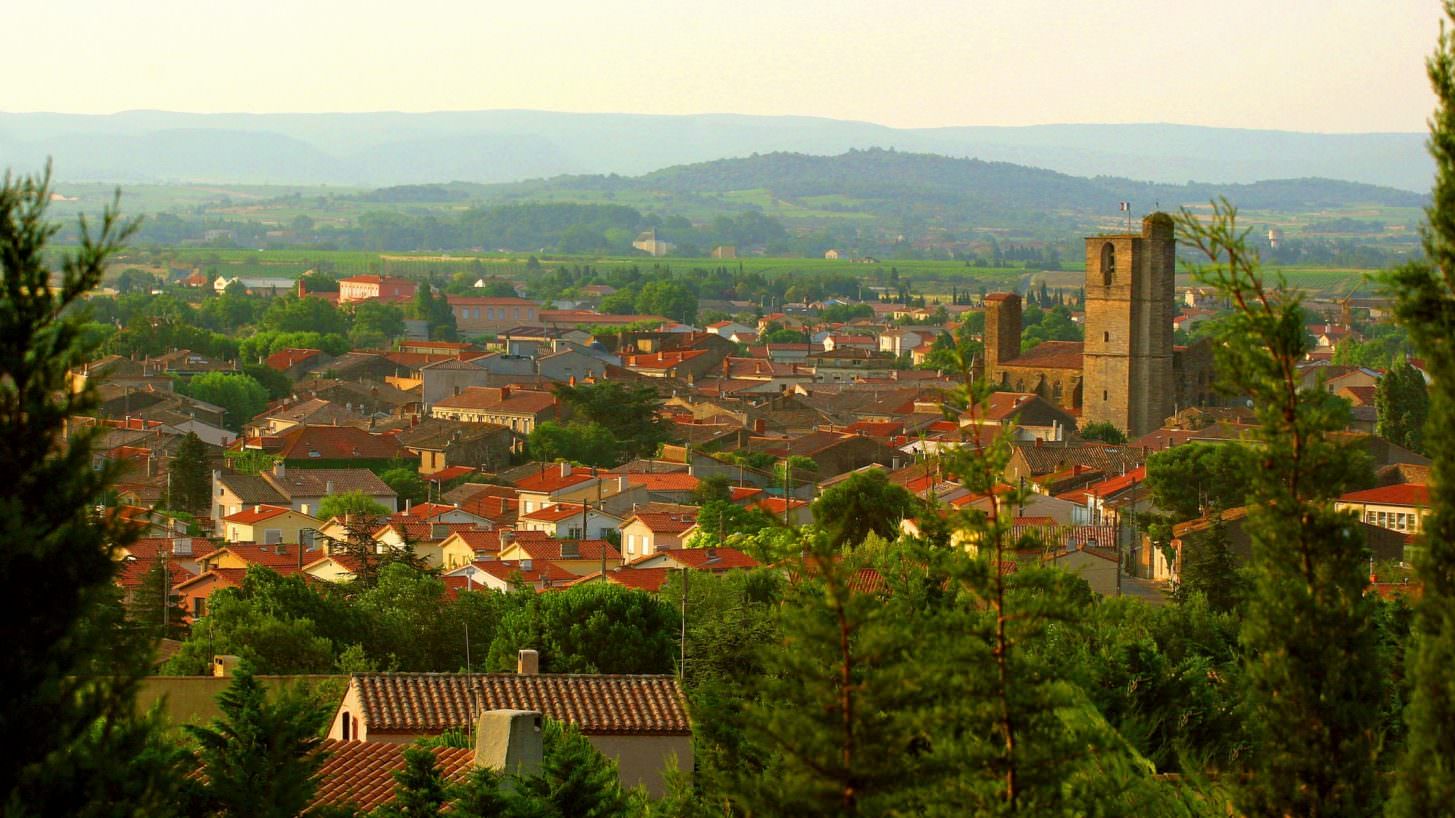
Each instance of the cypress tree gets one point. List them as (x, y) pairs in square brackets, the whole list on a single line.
[(191, 479), (1425, 304), (1402, 404), (1308, 633)]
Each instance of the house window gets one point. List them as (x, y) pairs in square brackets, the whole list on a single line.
[(347, 725), (1105, 395), (1106, 336), (199, 607), (573, 533)]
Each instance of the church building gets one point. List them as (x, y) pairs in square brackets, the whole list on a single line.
[(1127, 372)]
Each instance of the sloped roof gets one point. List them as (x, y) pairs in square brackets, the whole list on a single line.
[(720, 558), (641, 579), (1048, 458), (363, 772), (596, 704), (256, 514), (665, 523), (1399, 494), (335, 443), (251, 489), (314, 482), (549, 549), (499, 399), (1049, 355)]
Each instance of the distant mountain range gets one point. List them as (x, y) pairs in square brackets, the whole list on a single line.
[(390, 148)]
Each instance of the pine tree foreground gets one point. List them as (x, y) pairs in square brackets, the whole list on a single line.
[(1425, 785), (1308, 633)]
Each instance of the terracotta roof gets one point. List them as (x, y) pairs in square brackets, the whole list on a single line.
[(256, 514), (549, 549), (362, 773), (449, 473), (552, 478), (718, 558), (131, 572), (660, 481), (328, 443), (500, 399), (1049, 355), (1399, 494), (560, 511), (540, 571), (264, 555), (415, 703), (417, 531), (641, 579), (422, 511), (227, 577), (289, 358), (661, 360), (665, 523), (775, 505)]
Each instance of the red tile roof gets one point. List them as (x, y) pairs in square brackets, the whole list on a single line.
[(663, 481), (718, 558), (552, 478), (413, 703), (328, 443), (1399, 494), (502, 399), (660, 360), (449, 473), (285, 359), (362, 773), (256, 514), (557, 512), (641, 579), (660, 522), (540, 571)]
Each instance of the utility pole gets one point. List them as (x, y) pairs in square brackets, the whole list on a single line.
[(682, 640)]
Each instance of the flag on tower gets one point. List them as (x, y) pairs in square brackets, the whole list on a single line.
[(1126, 207)]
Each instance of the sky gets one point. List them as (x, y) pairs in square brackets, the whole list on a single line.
[(1310, 65)]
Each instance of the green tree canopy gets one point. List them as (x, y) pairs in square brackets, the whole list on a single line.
[(598, 627), (866, 503), (1402, 406), (260, 757), (669, 298), (588, 443), (351, 503), (628, 412), (1104, 432), (241, 396), (190, 476), (288, 313)]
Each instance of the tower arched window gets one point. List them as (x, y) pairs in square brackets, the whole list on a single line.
[(1108, 263)]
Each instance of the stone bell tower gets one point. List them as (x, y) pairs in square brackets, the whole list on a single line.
[(1127, 360)]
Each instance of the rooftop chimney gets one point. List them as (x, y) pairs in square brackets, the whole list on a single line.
[(280, 470), (565, 469), (328, 487), (509, 741), (528, 663)]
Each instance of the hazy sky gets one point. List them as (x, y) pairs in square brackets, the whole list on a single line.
[(1319, 65)]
